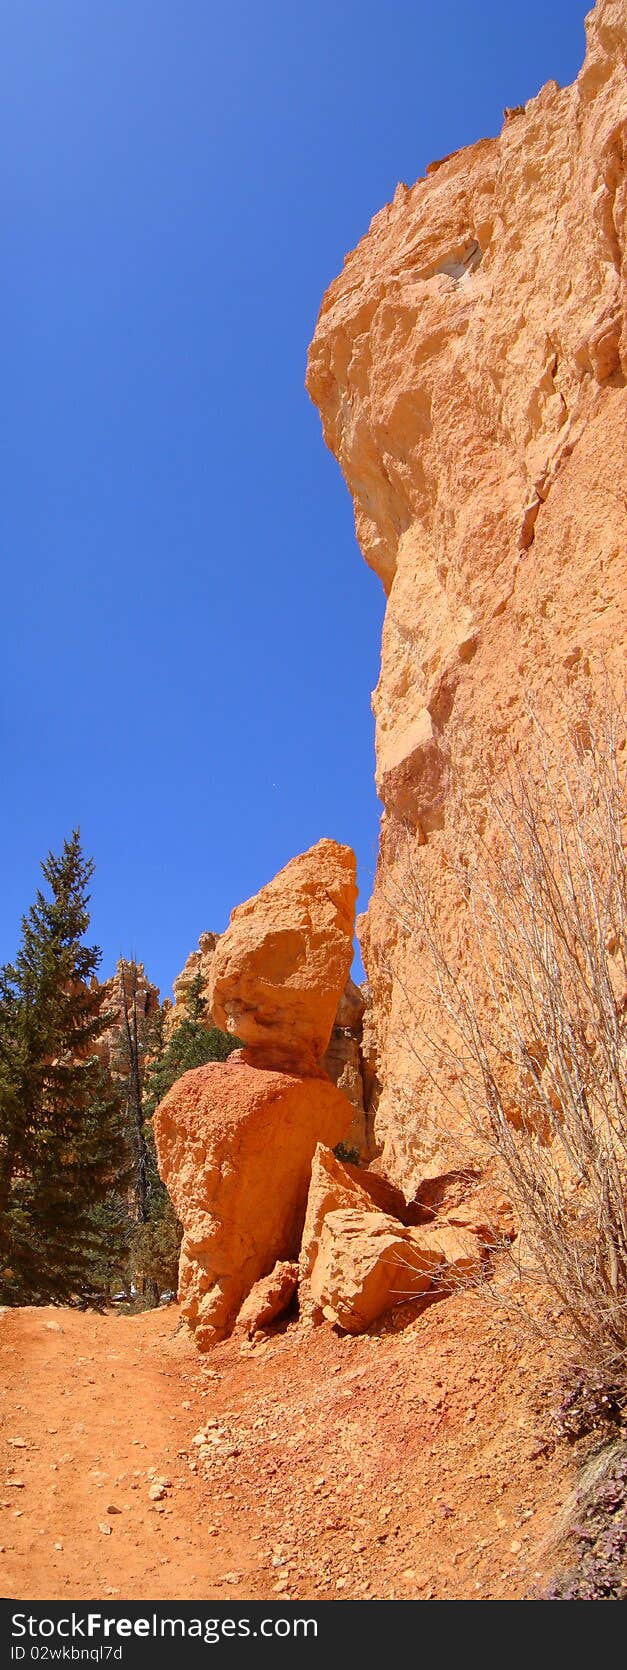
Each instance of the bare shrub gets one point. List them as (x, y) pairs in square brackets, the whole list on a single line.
[(530, 1055)]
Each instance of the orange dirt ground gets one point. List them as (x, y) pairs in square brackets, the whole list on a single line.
[(414, 1463)]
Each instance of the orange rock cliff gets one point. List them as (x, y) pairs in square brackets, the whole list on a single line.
[(469, 368)]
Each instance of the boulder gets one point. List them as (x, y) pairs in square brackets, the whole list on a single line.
[(235, 1145), (281, 967), (268, 1299), (365, 1263), (331, 1189), (381, 1193), (335, 1185), (459, 1253)]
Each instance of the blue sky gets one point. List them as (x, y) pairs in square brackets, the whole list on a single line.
[(189, 636)]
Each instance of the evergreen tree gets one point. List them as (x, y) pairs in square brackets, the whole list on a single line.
[(134, 1039), (137, 1039), (62, 1147)]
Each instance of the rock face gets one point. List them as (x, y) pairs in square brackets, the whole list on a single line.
[(279, 970), (235, 1145), (343, 1062), (128, 991), (469, 367)]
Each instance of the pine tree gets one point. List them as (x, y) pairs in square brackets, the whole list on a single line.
[(192, 1044), (133, 1040), (136, 1039), (62, 1146)]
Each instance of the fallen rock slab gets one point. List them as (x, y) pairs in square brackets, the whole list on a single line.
[(268, 1299), (331, 1189), (459, 1252), (335, 1185), (365, 1263)]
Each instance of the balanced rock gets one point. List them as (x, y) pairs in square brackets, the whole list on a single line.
[(269, 1298), (235, 1145), (279, 970)]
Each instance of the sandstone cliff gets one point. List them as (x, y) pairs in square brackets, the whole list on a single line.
[(198, 963), (469, 366)]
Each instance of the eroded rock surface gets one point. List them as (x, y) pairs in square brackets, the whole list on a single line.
[(469, 366), (235, 1145), (129, 997), (268, 1299), (280, 969), (343, 1061), (366, 1262), (198, 964)]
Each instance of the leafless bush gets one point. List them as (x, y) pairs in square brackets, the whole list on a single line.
[(530, 1054)]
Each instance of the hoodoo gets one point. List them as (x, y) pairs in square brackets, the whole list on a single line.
[(235, 1139)]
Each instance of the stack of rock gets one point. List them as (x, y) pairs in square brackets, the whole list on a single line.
[(342, 1059), (245, 1146), (236, 1139)]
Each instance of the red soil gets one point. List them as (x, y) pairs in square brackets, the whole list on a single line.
[(409, 1463)]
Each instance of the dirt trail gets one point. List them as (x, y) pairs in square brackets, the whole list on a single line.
[(396, 1465)]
